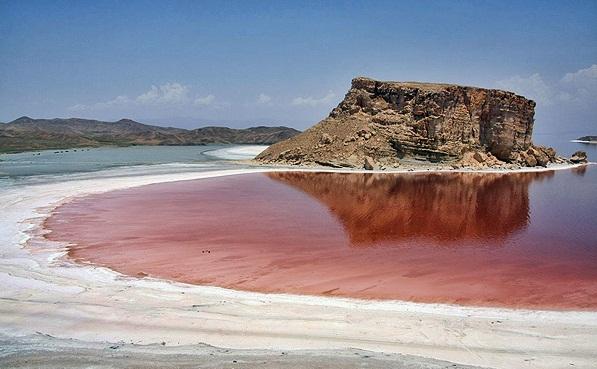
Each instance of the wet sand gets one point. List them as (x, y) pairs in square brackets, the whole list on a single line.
[(51, 353), (458, 238)]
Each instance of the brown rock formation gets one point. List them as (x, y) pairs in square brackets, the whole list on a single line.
[(392, 122), (579, 157)]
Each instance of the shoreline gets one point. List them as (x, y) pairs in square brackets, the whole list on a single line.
[(82, 148), (584, 142), (227, 318), (414, 170)]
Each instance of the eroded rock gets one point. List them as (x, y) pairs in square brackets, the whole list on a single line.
[(326, 139), (579, 157), (418, 123), (369, 163)]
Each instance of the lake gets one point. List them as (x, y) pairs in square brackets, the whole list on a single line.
[(524, 240)]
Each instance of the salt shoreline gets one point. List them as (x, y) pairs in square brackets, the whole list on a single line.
[(42, 292), (49, 352), (584, 142), (406, 170)]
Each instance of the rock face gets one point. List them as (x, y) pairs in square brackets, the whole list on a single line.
[(407, 122)]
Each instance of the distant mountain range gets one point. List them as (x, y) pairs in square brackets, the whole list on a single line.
[(26, 134)]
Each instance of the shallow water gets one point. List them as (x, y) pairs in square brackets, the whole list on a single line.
[(57, 162), (52, 166), (517, 240)]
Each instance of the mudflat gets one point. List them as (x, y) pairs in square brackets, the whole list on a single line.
[(52, 353)]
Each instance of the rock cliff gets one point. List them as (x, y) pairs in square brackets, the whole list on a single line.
[(389, 124)]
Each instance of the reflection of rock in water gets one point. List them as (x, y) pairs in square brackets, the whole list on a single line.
[(580, 171), (380, 208)]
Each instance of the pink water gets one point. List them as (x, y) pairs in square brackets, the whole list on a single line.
[(516, 240)]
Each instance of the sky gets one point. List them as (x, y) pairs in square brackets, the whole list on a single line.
[(244, 63)]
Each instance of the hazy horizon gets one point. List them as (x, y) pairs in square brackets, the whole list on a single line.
[(241, 64), (187, 122)]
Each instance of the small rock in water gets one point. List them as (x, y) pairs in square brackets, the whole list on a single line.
[(579, 157)]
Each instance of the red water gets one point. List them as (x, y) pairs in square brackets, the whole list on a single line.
[(516, 240)]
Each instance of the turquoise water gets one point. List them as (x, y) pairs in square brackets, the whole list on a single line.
[(51, 165), (94, 159)]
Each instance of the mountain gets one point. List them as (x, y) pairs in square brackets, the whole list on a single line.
[(383, 124), (24, 134)]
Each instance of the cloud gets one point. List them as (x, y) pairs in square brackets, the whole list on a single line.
[(171, 94), (116, 102), (311, 101), (578, 87), (205, 100), (264, 99), (581, 75), (533, 87)]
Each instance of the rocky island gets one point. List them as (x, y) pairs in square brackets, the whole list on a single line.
[(382, 125), (587, 139)]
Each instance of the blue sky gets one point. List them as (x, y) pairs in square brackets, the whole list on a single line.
[(192, 63)]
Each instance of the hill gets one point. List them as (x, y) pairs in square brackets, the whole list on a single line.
[(25, 134), (385, 124)]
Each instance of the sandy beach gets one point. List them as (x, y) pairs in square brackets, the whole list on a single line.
[(45, 294)]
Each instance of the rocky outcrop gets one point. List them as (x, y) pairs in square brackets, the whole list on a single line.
[(579, 157), (389, 124)]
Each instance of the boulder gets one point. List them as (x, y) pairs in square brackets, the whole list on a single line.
[(578, 157), (540, 156), (549, 151), (479, 157), (528, 159), (369, 163), (326, 139)]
